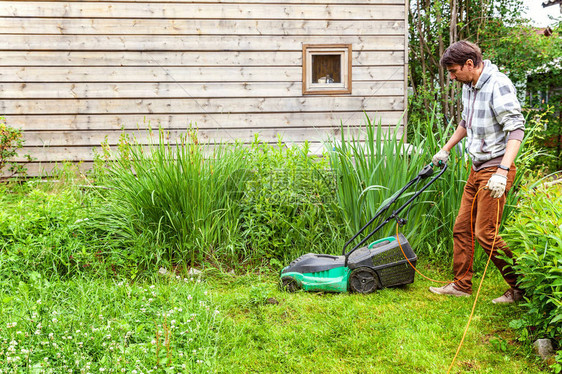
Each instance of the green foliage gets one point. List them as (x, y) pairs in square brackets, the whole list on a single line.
[(226, 205), (288, 206), (10, 142), (533, 234), (173, 203), (40, 229), (372, 169)]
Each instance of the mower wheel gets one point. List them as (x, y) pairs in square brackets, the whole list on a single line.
[(290, 284), (363, 280)]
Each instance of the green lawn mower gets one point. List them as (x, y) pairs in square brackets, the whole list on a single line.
[(363, 269)]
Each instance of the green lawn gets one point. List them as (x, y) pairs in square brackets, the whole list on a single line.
[(244, 324), (401, 330)]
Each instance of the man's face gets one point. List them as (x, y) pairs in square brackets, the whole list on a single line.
[(460, 73)]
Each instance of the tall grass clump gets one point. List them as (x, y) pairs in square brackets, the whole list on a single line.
[(173, 203), (372, 168)]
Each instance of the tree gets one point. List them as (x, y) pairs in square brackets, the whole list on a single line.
[(433, 25)]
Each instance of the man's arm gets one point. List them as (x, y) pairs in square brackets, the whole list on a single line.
[(511, 151), (457, 136)]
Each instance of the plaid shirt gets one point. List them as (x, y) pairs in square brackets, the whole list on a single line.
[(491, 115)]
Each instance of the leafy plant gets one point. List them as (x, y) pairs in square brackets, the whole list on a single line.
[(10, 142), (288, 206), (370, 169), (533, 234), (175, 204)]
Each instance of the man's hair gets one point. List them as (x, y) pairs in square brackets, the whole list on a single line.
[(460, 52)]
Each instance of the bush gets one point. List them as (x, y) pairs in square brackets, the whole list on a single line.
[(172, 203), (289, 207), (10, 142), (533, 234), (40, 229)]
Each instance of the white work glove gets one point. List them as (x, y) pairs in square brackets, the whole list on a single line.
[(442, 156), (496, 185)]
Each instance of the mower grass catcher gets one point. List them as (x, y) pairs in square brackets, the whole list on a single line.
[(363, 269)]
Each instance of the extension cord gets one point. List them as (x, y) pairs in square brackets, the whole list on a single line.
[(471, 262)]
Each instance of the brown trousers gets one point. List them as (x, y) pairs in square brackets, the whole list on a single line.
[(484, 218)]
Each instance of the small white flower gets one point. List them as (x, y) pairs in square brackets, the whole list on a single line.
[(153, 342), (39, 301), (189, 297), (153, 286)]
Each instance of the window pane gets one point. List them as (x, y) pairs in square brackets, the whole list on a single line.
[(326, 68)]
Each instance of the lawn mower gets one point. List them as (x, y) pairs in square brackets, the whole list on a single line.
[(386, 262)]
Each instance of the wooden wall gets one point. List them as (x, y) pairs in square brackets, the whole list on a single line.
[(75, 73)]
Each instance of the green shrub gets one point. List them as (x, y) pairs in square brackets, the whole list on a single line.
[(224, 205), (40, 229), (289, 206), (533, 234), (10, 142)]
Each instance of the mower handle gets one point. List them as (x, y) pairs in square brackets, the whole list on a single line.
[(426, 172)]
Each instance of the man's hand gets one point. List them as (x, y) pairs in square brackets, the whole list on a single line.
[(441, 156), (496, 185)]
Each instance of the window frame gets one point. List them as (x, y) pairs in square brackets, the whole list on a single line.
[(310, 88)]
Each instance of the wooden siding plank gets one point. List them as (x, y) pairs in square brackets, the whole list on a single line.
[(94, 138), (87, 152), (177, 90), (109, 26), (225, 43), (198, 11), (204, 105), (182, 74), (80, 122), (245, 58)]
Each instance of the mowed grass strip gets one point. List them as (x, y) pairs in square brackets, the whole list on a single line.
[(397, 330)]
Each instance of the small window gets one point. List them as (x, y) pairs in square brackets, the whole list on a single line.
[(326, 69)]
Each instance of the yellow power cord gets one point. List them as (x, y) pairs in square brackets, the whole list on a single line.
[(483, 275)]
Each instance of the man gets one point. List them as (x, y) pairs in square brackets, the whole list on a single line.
[(493, 125)]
